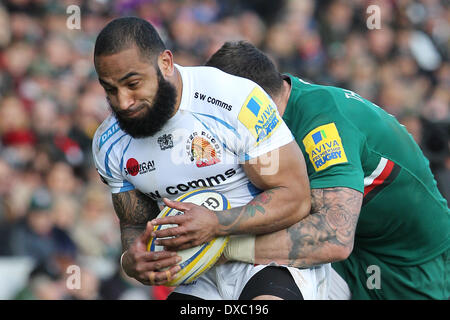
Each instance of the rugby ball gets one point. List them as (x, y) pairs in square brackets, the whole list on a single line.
[(195, 260)]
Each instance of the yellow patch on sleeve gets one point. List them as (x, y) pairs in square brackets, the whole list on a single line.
[(324, 147), (259, 115)]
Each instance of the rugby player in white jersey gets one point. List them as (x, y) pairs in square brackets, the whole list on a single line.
[(174, 129)]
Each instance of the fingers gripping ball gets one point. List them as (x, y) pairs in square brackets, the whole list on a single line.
[(198, 259)]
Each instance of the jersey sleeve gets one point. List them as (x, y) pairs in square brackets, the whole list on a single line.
[(261, 127), (332, 146), (106, 160)]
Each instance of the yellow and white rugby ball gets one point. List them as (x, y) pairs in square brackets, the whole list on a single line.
[(198, 259)]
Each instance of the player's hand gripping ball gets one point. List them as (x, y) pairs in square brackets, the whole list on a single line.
[(195, 260)]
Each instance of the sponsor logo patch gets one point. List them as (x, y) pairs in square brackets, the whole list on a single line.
[(108, 134), (165, 141), (324, 147), (259, 115), (133, 167)]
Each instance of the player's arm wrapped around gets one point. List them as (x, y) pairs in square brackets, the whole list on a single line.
[(284, 201), (326, 235)]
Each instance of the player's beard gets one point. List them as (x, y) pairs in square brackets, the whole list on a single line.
[(154, 116)]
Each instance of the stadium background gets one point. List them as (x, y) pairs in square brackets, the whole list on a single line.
[(55, 212)]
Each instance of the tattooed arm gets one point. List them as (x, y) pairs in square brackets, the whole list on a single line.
[(134, 210), (326, 235), (285, 200)]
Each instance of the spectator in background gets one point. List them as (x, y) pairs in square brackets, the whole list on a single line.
[(89, 287), (121, 287), (96, 231), (42, 284), (6, 211), (37, 237)]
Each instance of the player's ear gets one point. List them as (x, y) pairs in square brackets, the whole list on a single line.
[(165, 63)]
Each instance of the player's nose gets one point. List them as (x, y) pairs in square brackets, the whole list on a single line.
[(126, 100)]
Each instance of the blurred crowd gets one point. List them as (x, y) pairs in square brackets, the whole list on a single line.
[(53, 207)]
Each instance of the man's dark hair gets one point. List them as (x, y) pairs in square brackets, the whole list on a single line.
[(243, 59), (122, 33)]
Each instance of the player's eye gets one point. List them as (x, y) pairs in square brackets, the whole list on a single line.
[(133, 85), (110, 90)]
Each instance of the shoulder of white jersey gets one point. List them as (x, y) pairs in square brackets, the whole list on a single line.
[(235, 106), (215, 91), (106, 134)]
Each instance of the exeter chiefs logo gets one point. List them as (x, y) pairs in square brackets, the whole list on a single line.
[(204, 149)]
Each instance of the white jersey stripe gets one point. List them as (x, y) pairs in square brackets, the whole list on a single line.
[(379, 169)]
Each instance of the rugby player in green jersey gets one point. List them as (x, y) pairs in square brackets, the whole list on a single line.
[(376, 212)]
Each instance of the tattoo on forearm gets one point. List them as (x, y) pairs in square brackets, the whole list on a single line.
[(333, 219), (230, 220), (134, 209)]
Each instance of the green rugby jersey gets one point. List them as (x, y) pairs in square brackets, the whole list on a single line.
[(348, 141)]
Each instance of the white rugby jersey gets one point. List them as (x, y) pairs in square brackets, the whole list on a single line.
[(222, 120)]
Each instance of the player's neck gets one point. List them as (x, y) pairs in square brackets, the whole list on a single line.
[(282, 98)]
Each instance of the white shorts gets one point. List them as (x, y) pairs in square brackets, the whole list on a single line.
[(338, 288), (226, 282)]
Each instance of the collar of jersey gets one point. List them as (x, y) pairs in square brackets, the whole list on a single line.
[(185, 97)]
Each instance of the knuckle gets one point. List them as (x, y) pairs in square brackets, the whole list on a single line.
[(161, 277), (138, 268), (135, 257)]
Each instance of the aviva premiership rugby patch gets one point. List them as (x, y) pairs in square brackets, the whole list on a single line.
[(259, 115), (324, 146)]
